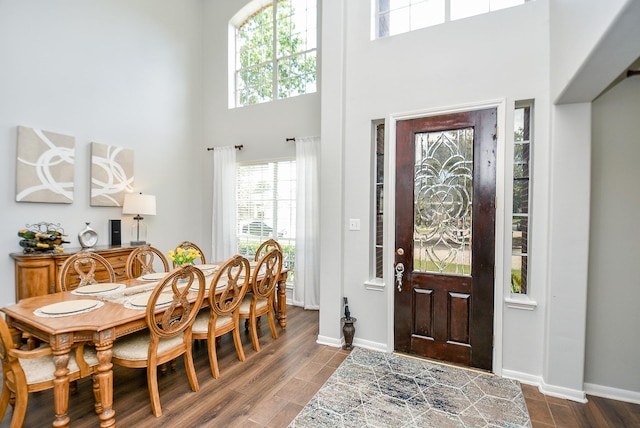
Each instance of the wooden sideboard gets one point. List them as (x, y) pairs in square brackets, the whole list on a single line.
[(37, 273)]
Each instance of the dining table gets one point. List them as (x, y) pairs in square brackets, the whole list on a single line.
[(111, 317)]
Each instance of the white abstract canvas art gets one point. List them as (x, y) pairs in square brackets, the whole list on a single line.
[(44, 166), (111, 175)]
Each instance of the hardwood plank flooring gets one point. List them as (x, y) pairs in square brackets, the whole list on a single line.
[(270, 388), (546, 411)]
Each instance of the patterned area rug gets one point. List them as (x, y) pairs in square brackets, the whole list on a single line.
[(375, 389)]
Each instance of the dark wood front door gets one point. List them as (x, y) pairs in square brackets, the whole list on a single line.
[(445, 240)]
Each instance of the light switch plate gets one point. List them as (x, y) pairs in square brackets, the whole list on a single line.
[(354, 224)]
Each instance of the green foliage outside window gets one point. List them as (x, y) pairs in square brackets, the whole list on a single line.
[(292, 56), (248, 250)]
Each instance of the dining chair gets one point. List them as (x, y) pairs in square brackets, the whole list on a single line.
[(82, 269), (169, 330), (32, 371), (144, 260), (267, 246), (263, 249), (188, 244), (261, 299), (226, 292)]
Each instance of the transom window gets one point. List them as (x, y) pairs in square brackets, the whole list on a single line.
[(275, 51), (401, 16)]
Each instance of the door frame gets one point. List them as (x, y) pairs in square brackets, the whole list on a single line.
[(501, 258)]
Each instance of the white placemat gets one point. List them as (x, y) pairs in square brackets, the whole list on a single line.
[(100, 288), (139, 301), (68, 308), (153, 276)]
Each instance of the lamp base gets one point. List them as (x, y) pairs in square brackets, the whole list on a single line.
[(138, 232)]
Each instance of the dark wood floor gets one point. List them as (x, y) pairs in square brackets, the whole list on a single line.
[(270, 388)]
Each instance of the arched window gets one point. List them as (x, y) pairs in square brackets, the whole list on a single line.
[(274, 48)]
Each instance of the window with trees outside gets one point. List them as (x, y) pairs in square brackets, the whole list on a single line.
[(378, 232), (275, 51), (521, 217), (401, 16), (266, 208)]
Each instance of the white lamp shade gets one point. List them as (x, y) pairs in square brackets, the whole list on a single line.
[(137, 203)]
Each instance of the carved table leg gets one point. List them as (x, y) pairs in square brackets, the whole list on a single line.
[(105, 379), (62, 347), (281, 300), (61, 390)]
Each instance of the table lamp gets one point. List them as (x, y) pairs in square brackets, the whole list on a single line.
[(137, 203)]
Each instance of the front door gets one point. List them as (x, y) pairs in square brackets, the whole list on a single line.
[(445, 240)]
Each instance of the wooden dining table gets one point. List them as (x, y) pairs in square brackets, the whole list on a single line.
[(100, 327)]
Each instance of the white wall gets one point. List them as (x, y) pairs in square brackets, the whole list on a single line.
[(498, 56), (576, 29), (614, 287), (120, 72)]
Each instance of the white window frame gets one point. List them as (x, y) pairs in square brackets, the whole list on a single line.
[(236, 22)]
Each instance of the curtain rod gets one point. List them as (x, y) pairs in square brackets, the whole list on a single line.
[(239, 147), (291, 139)]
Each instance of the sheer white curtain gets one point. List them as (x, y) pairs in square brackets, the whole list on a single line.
[(223, 227), (306, 291)]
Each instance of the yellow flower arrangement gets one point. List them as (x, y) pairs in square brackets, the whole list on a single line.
[(181, 256)]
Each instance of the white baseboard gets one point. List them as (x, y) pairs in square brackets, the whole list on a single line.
[(526, 378), (613, 393), (546, 389), (338, 342), (562, 392), (329, 341), (367, 344)]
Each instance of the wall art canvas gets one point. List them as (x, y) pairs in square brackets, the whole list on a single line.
[(111, 174), (44, 166)]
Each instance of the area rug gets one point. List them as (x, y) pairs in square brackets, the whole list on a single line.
[(376, 389)]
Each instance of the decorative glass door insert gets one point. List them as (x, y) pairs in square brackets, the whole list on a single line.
[(443, 201)]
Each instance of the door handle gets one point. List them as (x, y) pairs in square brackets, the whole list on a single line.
[(399, 274)]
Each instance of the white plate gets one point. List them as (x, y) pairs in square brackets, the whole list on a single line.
[(154, 276), (68, 307), (97, 288), (141, 301), (208, 267), (253, 264)]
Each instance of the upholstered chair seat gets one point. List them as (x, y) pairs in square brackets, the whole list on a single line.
[(135, 347)]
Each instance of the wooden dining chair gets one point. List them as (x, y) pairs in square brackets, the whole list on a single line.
[(226, 292), (169, 330), (263, 249), (261, 299), (267, 246), (84, 268), (145, 259), (188, 244), (32, 371)]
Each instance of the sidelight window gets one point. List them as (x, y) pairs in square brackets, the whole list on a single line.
[(521, 216)]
